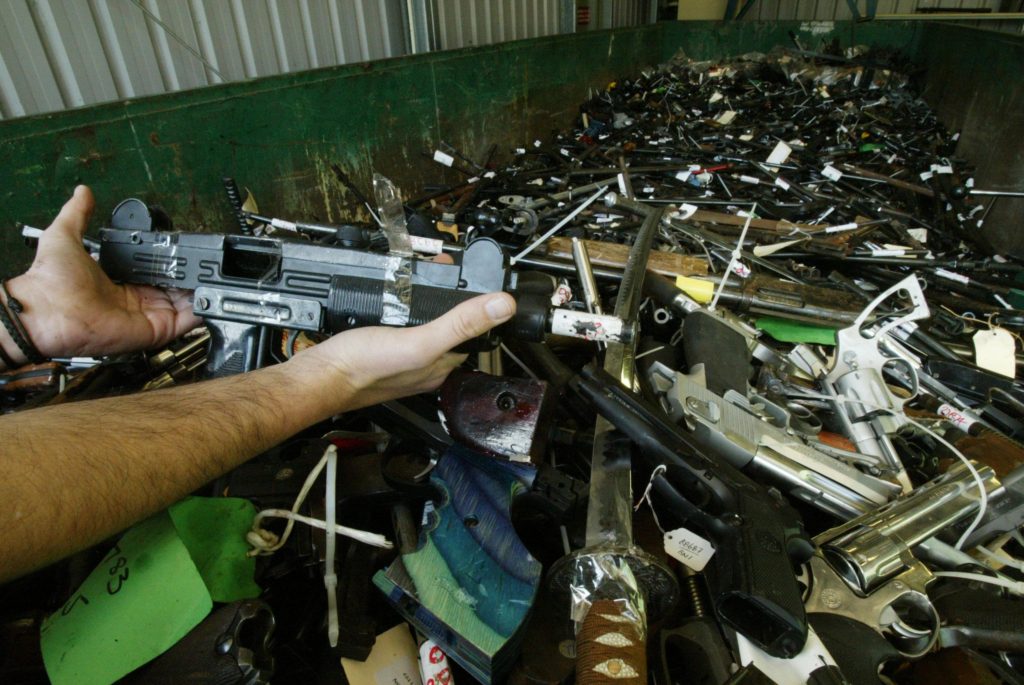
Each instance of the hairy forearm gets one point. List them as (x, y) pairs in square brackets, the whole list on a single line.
[(77, 473)]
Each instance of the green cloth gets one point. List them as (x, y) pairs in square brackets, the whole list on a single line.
[(157, 584), (784, 330), (144, 596), (213, 530)]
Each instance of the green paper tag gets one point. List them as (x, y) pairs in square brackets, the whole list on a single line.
[(213, 529), (784, 330), (144, 596)]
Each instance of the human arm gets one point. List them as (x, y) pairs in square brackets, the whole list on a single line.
[(77, 473)]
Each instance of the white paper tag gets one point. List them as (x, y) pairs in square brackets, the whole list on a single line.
[(685, 212), (520, 150), (746, 137), (942, 168), (648, 189), (995, 350), (562, 294), (919, 234), (715, 97), (725, 118), (442, 158), (564, 152), (925, 175), (831, 173), (956, 417), (683, 175), (749, 179), (780, 154), (622, 184), (886, 252), (970, 182), (688, 548), (782, 183), (952, 276)]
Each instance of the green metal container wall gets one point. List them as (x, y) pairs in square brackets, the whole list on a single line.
[(279, 135)]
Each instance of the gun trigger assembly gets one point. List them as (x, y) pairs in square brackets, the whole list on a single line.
[(828, 592)]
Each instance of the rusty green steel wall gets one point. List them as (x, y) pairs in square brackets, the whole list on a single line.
[(975, 80), (711, 40), (279, 135)]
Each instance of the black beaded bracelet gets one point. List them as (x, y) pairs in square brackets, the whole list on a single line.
[(6, 359), (12, 322)]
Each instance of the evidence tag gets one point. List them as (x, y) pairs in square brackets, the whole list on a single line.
[(687, 547), (956, 417)]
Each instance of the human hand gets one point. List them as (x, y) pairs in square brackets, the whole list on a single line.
[(376, 364), (73, 308)]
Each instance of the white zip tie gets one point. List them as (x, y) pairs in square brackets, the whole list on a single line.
[(734, 259), (572, 215), (646, 497)]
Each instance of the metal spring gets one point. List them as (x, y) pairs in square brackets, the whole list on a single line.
[(692, 586), (235, 198)]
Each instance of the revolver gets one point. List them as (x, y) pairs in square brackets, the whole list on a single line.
[(869, 411), (865, 569)]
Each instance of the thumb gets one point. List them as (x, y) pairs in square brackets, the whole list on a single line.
[(469, 320), (74, 215)]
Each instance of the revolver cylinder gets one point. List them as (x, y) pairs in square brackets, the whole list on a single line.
[(876, 547)]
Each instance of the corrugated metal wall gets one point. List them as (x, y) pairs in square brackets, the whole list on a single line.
[(630, 12), (57, 54), (461, 23)]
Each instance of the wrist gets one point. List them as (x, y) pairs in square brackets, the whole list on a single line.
[(321, 382), (19, 333)]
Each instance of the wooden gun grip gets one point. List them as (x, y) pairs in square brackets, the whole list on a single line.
[(611, 646)]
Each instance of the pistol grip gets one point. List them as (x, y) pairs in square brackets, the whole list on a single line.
[(753, 584), (234, 348), (470, 583)]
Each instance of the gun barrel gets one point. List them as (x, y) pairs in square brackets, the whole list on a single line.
[(872, 548)]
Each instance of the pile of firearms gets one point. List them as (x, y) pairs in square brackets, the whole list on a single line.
[(755, 419)]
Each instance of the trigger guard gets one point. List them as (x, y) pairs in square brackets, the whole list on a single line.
[(911, 372), (901, 635)]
